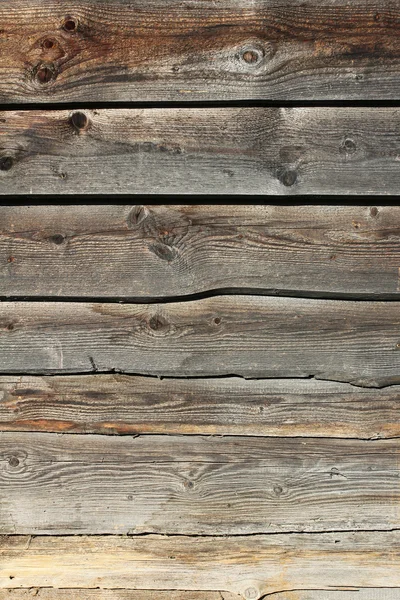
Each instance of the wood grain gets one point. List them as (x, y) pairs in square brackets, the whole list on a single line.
[(88, 594), (284, 151), (59, 51), (145, 252), (91, 484), (251, 566), (250, 336), (91, 594), (120, 404)]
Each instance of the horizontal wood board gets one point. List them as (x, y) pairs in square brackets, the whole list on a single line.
[(275, 150), (250, 566), (58, 51), (91, 594), (121, 404), (250, 336), (74, 484), (146, 252)]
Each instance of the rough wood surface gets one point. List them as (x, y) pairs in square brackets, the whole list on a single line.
[(251, 566), (198, 50), (121, 404), (87, 594), (273, 151), (94, 484), (91, 594), (145, 252), (251, 336)]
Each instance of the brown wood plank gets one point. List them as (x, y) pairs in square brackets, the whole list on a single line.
[(121, 404), (91, 484), (148, 251), (251, 566), (273, 151), (251, 336), (58, 51)]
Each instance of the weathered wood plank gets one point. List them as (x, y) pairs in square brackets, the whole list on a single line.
[(143, 252), (211, 150), (121, 404), (251, 336), (169, 50), (91, 594), (78, 484), (88, 594), (251, 566)]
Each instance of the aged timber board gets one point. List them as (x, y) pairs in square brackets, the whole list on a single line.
[(251, 566), (127, 404), (79, 484), (250, 336), (97, 594), (142, 252), (58, 51), (284, 151)]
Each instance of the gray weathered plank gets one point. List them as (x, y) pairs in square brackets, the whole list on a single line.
[(121, 404), (251, 336), (287, 151), (93, 484), (251, 566), (96, 50), (143, 252)]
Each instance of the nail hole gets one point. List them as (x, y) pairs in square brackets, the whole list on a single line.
[(69, 24), (157, 322), (250, 56), (57, 239), (79, 120), (349, 146), (288, 178), (6, 163), (44, 74), (374, 211), (217, 320), (48, 44)]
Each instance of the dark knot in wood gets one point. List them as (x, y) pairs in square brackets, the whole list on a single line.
[(6, 163), (79, 120)]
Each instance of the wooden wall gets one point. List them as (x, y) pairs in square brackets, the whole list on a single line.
[(219, 97), (199, 402)]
